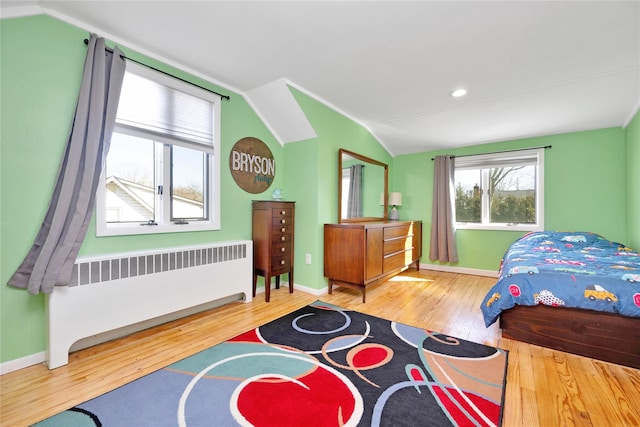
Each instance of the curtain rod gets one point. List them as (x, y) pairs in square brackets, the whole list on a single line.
[(108, 49), (505, 151)]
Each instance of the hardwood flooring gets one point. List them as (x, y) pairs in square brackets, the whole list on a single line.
[(544, 387)]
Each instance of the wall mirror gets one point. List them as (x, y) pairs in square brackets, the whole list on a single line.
[(362, 188)]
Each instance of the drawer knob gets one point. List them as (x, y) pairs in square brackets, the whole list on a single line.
[(283, 238), (283, 221), (283, 229), (282, 249), (283, 213), (282, 262)]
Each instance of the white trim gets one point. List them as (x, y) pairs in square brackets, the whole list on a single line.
[(540, 190), (313, 291), (133, 230), (460, 270), (20, 11), (22, 362), (631, 116), (306, 289), (499, 227)]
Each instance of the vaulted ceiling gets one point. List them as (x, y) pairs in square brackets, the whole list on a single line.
[(531, 68)]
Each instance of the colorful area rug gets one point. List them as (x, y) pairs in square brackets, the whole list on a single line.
[(321, 365)]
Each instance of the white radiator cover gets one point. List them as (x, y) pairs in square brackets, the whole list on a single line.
[(118, 290)]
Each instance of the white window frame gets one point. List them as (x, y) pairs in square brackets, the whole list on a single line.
[(466, 161), (103, 228)]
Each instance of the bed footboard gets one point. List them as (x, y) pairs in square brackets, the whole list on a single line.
[(598, 335)]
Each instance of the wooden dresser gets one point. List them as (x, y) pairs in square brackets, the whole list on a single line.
[(360, 254), (273, 225)]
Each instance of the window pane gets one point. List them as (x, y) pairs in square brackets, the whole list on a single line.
[(188, 173), (130, 195), (513, 195), (468, 195)]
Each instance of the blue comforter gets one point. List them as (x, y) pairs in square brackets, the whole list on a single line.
[(568, 269)]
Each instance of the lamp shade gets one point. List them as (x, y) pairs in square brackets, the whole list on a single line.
[(395, 199)]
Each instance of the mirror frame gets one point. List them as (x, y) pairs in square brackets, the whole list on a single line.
[(366, 159)]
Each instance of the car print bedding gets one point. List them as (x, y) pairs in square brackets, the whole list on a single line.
[(566, 269)]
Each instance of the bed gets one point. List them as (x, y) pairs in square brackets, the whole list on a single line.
[(572, 291)]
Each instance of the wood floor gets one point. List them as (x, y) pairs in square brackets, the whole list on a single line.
[(544, 387)]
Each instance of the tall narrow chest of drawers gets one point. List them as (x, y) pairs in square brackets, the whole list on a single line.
[(273, 227)]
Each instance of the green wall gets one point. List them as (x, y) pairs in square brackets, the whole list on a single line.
[(301, 181), (40, 70), (585, 189), (312, 180), (633, 182)]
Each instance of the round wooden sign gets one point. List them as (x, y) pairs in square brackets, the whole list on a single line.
[(252, 165)]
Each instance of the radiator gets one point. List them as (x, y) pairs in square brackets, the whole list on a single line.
[(119, 290)]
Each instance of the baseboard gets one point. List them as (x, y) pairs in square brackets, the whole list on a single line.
[(312, 291), (23, 362), (460, 270)]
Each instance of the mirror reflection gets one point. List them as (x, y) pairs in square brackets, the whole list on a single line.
[(362, 184)]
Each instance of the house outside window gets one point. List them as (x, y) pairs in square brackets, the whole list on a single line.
[(503, 191), (162, 171)]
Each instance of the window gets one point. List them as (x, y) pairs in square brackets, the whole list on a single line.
[(500, 191), (162, 170)]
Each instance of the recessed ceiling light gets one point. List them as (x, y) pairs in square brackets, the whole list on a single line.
[(458, 93)]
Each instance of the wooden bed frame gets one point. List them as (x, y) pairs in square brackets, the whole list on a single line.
[(604, 336)]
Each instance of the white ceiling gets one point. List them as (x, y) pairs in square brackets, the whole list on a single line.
[(531, 68)]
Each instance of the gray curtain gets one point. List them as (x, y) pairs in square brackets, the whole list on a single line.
[(354, 204), (443, 239), (51, 258)]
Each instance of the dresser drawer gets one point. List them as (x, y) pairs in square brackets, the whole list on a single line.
[(281, 249), (282, 262), (281, 238), (277, 229), (397, 231), (282, 212), (279, 221), (395, 245), (398, 260)]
